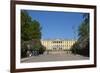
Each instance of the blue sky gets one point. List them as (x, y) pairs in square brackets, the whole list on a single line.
[(57, 25)]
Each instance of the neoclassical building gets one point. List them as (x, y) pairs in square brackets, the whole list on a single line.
[(58, 44)]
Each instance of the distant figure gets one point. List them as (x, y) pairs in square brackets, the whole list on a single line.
[(29, 53)]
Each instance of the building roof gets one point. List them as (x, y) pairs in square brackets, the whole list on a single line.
[(58, 39)]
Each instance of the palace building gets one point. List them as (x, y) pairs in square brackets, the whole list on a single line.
[(58, 44)]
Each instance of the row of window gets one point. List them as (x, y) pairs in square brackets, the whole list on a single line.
[(60, 45), (56, 41), (57, 48)]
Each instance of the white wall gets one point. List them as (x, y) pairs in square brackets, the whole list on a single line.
[(5, 37)]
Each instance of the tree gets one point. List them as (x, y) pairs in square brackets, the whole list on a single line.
[(35, 30), (82, 45), (29, 29), (30, 32), (25, 25), (84, 35)]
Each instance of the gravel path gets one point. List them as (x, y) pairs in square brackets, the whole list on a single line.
[(53, 57)]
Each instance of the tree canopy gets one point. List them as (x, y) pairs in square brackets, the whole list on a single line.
[(30, 33), (30, 29), (82, 44)]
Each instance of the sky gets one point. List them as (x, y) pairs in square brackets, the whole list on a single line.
[(57, 25)]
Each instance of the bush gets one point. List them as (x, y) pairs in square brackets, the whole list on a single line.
[(42, 49), (23, 50), (39, 49), (23, 53), (76, 49)]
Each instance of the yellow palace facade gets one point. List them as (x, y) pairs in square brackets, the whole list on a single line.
[(58, 44)]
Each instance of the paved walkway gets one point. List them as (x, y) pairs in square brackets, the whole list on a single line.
[(53, 57)]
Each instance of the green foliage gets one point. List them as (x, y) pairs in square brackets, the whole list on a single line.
[(30, 29), (35, 30), (84, 30), (23, 50), (37, 46), (82, 45), (25, 25), (42, 49)]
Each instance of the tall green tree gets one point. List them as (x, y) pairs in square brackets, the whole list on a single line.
[(29, 29), (82, 45), (25, 25), (83, 31), (30, 34)]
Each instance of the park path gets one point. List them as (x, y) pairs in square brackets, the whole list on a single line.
[(53, 57)]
